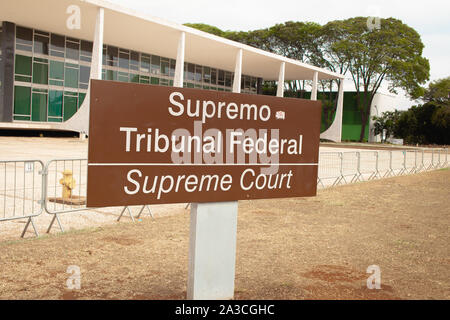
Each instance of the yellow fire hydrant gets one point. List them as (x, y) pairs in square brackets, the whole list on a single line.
[(68, 183)]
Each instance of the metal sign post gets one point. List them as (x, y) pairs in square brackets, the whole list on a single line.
[(212, 250)]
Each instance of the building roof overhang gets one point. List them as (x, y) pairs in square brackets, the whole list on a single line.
[(127, 28)]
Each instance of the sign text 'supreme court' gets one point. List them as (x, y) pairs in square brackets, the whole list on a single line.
[(153, 144)]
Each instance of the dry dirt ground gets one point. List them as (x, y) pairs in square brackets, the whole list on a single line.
[(299, 248)]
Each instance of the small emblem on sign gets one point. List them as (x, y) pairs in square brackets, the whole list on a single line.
[(280, 115)]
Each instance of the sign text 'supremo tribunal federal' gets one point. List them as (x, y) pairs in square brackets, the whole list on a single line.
[(153, 144)]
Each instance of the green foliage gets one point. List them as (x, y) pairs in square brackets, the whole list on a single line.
[(426, 124), (387, 121), (206, 28), (438, 92)]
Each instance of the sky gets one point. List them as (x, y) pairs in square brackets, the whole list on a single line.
[(430, 18)]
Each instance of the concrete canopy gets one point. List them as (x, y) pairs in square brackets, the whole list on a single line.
[(130, 29)]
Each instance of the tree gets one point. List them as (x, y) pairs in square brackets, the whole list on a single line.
[(430, 122), (438, 92), (392, 53)]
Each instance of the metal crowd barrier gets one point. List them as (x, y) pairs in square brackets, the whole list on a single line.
[(349, 167), (27, 187), (21, 185), (54, 204), (329, 168)]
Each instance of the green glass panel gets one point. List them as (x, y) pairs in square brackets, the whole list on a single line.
[(81, 99), (123, 76), (26, 118), (23, 78), (56, 82), (54, 119), (154, 80), (40, 73), (40, 90), (22, 96), (70, 106), (39, 107), (71, 78), (70, 93), (56, 70), (144, 79), (23, 65), (134, 78), (55, 103), (111, 75), (40, 60)]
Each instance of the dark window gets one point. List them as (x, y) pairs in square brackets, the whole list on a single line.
[(145, 63), (214, 76), (173, 64), (72, 50), (84, 74), (41, 44), (221, 79), (86, 51), (198, 73), (24, 35), (134, 61), (112, 56), (191, 72), (124, 59), (57, 45), (156, 65)]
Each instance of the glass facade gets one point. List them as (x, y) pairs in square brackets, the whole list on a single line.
[(52, 71)]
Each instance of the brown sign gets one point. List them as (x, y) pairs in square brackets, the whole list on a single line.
[(153, 144)]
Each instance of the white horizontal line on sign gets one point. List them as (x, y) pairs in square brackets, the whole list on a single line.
[(202, 164)]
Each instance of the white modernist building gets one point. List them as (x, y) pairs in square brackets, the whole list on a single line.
[(51, 48)]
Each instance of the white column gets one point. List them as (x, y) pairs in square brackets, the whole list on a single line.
[(237, 72), (334, 132), (179, 67), (212, 239), (280, 86), (314, 86), (340, 111), (97, 50), (80, 120)]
